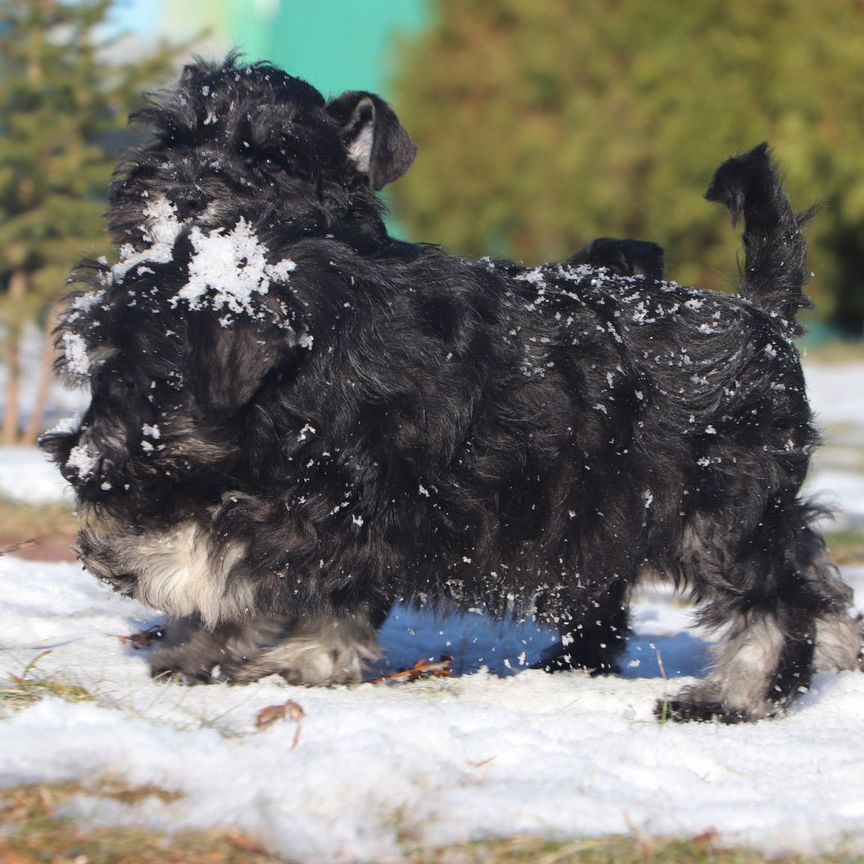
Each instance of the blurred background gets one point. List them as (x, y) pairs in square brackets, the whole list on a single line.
[(541, 125)]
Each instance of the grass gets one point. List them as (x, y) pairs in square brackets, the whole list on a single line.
[(34, 831), (846, 547), (25, 689), (52, 525)]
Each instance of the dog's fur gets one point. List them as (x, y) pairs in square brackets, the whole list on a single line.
[(279, 448)]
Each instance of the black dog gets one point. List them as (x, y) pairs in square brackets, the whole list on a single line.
[(297, 421)]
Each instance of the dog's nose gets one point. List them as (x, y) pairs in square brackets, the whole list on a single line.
[(189, 203)]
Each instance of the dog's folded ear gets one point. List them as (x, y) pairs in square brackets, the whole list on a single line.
[(375, 139), (227, 365)]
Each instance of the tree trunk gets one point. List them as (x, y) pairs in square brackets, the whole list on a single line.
[(12, 414), (46, 377)]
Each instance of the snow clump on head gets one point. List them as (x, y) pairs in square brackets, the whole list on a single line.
[(231, 268)]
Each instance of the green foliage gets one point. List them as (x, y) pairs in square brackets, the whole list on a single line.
[(542, 125), (60, 97)]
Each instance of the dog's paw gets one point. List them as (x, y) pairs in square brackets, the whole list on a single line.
[(705, 703), (309, 663), (692, 711), (176, 666)]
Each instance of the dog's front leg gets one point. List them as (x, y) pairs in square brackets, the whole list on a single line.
[(593, 621), (321, 651)]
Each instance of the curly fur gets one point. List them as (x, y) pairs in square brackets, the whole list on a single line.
[(387, 422)]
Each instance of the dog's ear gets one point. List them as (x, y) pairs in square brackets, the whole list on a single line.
[(195, 71), (226, 366), (375, 139)]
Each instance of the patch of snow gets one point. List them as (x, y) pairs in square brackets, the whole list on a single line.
[(75, 351), (443, 761), (229, 269), (160, 231), (82, 460), (66, 425)]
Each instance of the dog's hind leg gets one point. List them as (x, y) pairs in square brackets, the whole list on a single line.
[(786, 610)]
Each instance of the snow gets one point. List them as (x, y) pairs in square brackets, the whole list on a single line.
[(82, 460), (27, 476), (231, 268), (75, 350), (446, 761), (161, 231), (487, 753)]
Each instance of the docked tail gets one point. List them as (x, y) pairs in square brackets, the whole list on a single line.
[(775, 263)]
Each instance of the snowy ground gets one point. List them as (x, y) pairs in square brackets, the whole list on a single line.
[(486, 754)]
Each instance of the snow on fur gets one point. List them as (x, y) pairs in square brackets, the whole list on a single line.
[(228, 269), (160, 231)]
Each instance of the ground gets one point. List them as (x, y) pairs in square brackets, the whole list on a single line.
[(401, 771)]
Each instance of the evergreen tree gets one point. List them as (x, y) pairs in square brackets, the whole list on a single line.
[(61, 97), (543, 124)]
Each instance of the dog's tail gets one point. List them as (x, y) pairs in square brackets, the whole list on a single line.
[(775, 262)]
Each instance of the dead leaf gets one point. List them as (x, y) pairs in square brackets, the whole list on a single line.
[(266, 717), (144, 638), (442, 668), (290, 710)]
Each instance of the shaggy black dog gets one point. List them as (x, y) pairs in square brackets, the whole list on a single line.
[(297, 421)]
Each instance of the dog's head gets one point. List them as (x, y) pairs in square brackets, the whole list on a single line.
[(177, 354), (233, 141), (180, 341)]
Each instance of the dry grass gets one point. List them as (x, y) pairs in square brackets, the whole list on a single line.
[(34, 832), (634, 849), (52, 526), (22, 690), (835, 351)]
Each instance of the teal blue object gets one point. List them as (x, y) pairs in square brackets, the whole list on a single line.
[(336, 45)]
